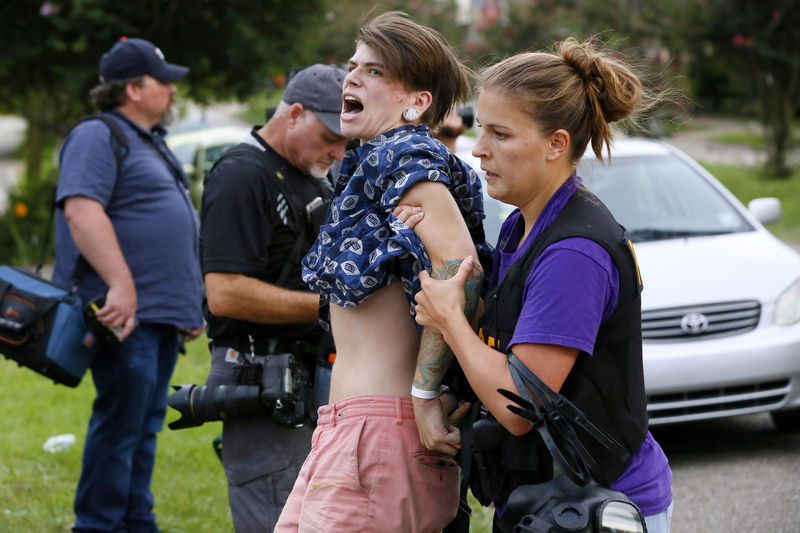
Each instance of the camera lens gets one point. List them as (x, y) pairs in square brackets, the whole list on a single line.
[(204, 404)]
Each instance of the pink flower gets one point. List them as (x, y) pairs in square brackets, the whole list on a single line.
[(48, 9)]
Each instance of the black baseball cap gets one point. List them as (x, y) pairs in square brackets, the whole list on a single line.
[(319, 88), (132, 57)]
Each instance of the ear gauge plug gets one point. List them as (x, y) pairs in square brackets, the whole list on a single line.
[(411, 114)]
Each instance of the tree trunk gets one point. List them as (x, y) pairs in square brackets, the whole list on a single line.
[(34, 141), (776, 118), (35, 113)]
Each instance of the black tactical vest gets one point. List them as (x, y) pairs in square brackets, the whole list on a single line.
[(607, 386)]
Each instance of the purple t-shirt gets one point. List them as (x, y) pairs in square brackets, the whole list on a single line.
[(572, 289)]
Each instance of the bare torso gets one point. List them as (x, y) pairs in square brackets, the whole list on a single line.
[(377, 343)]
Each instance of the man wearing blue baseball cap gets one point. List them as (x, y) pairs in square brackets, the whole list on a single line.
[(127, 238)]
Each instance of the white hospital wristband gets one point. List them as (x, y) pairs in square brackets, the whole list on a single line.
[(427, 394)]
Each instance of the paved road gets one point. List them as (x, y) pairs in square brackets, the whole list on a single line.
[(196, 117), (697, 140), (733, 475)]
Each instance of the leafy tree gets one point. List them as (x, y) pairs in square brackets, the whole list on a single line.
[(759, 42), (504, 28), (51, 50), (334, 37), (634, 28)]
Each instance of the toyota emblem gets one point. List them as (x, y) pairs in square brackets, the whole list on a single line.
[(694, 323)]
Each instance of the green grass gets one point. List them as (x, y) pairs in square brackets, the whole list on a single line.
[(37, 487), (752, 140), (749, 139), (747, 183)]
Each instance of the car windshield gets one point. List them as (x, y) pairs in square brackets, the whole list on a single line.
[(661, 197)]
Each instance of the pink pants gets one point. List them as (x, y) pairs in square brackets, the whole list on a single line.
[(369, 472)]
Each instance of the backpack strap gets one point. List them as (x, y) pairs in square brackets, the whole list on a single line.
[(119, 141), (120, 148), (300, 211)]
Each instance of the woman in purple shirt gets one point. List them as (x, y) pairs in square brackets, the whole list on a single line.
[(538, 113)]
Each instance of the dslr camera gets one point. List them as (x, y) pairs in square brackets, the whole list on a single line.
[(276, 385)]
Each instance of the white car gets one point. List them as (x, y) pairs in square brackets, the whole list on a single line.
[(198, 150), (721, 300)]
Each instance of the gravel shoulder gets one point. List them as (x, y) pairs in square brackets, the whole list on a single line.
[(697, 139)]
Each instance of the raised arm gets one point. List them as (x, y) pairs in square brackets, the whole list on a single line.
[(447, 241)]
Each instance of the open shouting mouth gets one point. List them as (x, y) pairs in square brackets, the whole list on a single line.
[(351, 106)]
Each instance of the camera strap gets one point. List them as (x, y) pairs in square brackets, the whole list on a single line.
[(555, 419)]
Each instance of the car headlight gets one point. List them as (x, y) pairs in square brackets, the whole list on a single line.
[(787, 308)]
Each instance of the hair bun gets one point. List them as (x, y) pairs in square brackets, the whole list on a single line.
[(607, 81)]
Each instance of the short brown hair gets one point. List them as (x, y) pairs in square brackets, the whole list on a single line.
[(579, 88), (420, 58)]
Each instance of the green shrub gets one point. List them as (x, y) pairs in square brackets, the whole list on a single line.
[(26, 223), (747, 183)]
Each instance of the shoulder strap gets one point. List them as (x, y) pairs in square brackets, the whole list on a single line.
[(120, 148), (293, 200), (119, 141)]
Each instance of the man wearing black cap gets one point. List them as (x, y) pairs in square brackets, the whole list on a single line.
[(263, 203), (127, 236)]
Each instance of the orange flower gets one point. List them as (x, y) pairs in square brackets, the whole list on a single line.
[(21, 210)]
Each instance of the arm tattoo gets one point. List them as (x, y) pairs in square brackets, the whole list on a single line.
[(434, 354)]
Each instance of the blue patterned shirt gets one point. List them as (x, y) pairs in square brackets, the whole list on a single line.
[(361, 246)]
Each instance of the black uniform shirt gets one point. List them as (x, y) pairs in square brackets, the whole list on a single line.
[(248, 226)]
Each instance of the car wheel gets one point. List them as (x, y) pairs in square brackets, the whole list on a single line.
[(786, 420)]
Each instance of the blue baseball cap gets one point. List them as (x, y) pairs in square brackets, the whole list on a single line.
[(133, 57)]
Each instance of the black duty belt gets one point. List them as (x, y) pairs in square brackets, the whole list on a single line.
[(262, 346)]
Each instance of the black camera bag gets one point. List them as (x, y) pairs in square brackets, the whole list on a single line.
[(42, 327)]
